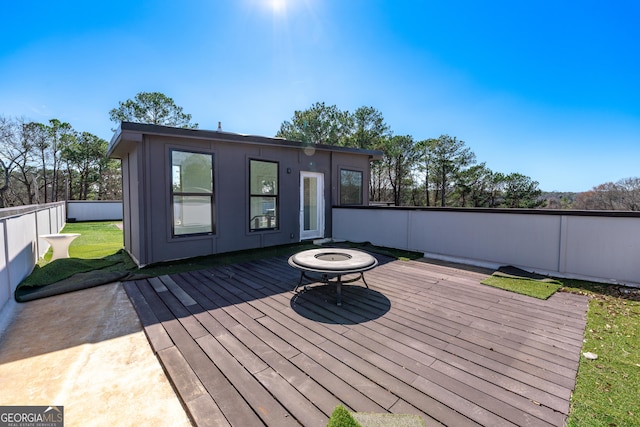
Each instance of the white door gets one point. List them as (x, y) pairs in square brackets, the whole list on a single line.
[(311, 205)]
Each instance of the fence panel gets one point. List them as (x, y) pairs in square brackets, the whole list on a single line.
[(20, 246), (94, 210)]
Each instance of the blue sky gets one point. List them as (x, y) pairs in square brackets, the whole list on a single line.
[(550, 89)]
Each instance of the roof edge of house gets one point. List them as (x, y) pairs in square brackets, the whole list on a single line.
[(134, 131)]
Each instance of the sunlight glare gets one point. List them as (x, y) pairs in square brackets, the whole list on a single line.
[(278, 5)]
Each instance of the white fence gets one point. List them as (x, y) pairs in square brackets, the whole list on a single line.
[(94, 210), (597, 246), (20, 246)]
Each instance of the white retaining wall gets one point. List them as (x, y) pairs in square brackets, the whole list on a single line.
[(20, 247), (598, 246), (94, 210)]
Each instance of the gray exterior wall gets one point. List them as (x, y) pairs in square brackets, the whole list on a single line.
[(145, 154)]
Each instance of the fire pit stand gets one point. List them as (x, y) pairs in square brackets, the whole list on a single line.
[(332, 263)]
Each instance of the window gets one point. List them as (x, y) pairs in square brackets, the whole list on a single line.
[(263, 195), (192, 193), (350, 187)]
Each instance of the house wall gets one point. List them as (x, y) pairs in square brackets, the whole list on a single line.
[(131, 193), (147, 204), (599, 246), (350, 162)]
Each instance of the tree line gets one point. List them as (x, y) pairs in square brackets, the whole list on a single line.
[(49, 162), (46, 162), (620, 195), (439, 171)]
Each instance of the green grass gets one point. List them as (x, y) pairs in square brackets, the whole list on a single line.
[(96, 240), (530, 287), (99, 247), (608, 389)]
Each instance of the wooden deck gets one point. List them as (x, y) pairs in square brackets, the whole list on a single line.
[(242, 349)]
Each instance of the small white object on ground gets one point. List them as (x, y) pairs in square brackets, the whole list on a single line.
[(590, 356)]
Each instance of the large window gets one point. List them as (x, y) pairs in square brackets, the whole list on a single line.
[(350, 187), (192, 193), (263, 195)]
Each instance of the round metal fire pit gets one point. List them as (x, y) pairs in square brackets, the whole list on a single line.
[(332, 263)]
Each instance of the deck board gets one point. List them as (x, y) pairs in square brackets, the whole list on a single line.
[(426, 338)]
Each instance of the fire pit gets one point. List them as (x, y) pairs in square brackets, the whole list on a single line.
[(332, 263)]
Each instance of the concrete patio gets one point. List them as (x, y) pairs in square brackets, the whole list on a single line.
[(86, 351)]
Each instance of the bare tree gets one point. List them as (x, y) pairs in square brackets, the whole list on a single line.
[(17, 147), (630, 197), (621, 195), (6, 161), (6, 173)]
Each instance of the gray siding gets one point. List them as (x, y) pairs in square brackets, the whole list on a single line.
[(147, 205)]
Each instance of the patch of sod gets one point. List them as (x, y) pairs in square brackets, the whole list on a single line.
[(530, 287), (516, 280)]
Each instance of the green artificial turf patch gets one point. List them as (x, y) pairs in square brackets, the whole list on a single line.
[(61, 269), (522, 282), (76, 282), (72, 274)]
